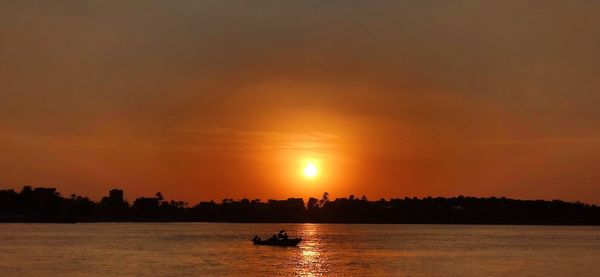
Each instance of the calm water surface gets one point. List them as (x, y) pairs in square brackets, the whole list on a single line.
[(207, 249)]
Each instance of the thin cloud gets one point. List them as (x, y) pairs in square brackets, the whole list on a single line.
[(575, 141)]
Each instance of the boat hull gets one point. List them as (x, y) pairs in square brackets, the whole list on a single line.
[(284, 243)]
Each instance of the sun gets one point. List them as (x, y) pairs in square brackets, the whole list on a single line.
[(310, 170)]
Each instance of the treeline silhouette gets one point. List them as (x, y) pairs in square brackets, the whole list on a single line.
[(47, 205)]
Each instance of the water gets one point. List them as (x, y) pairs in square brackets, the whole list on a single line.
[(207, 249)]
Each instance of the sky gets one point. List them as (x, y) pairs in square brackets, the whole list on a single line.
[(228, 99)]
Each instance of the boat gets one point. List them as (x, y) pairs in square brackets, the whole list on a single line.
[(278, 242), (281, 239)]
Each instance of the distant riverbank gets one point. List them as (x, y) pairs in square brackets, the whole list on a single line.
[(46, 205)]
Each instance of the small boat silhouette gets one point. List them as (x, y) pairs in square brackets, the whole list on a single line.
[(281, 239)]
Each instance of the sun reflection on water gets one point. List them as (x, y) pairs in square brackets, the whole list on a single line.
[(311, 260)]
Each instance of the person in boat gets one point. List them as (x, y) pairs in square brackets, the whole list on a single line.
[(274, 238), (282, 235)]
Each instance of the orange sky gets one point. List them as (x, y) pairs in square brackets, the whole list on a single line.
[(225, 99)]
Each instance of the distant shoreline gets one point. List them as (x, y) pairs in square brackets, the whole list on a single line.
[(46, 205)]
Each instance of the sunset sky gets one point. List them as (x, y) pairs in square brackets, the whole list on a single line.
[(228, 99)]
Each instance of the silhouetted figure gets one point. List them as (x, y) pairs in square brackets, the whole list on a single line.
[(282, 235)]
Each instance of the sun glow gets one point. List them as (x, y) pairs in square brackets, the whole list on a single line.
[(310, 170)]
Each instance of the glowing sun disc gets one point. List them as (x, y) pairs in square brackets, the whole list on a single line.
[(310, 170)]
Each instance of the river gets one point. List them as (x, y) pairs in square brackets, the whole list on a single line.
[(224, 249)]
